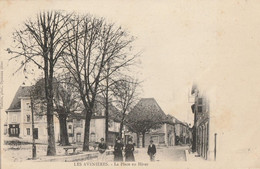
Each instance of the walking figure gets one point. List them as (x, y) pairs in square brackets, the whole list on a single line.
[(102, 150), (129, 151), (151, 150), (118, 148)]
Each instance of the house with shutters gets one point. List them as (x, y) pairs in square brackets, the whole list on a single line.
[(19, 121), (203, 139), (76, 124)]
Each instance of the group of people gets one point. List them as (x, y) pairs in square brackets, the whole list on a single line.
[(128, 150)]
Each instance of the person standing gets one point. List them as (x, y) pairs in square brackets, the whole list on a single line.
[(151, 150), (118, 148), (102, 150), (129, 151)]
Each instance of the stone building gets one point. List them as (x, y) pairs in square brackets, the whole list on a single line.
[(203, 137)]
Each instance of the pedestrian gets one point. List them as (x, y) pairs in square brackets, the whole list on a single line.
[(129, 151), (102, 150), (151, 150), (118, 148)]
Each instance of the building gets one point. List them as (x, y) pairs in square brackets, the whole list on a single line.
[(182, 131), (76, 125), (163, 136), (203, 140), (19, 122), (19, 119)]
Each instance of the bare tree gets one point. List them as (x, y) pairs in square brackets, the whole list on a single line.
[(96, 44), (42, 41), (125, 96)]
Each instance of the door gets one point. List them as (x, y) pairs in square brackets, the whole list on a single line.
[(78, 137), (14, 130)]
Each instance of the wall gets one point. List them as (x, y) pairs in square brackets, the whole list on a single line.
[(97, 130)]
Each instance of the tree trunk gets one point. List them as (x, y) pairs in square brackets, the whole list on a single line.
[(138, 140), (86, 132), (122, 125), (121, 128), (64, 139), (106, 108), (51, 150), (143, 139), (106, 121)]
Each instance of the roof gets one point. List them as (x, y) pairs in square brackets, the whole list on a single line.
[(145, 105), (169, 119), (23, 91)]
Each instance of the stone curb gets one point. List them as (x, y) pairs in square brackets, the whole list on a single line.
[(77, 157)]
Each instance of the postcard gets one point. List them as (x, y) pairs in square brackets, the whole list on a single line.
[(130, 84)]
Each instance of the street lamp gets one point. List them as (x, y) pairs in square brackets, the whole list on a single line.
[(33, 139)]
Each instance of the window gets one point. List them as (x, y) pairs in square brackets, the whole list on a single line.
[(92, 137), (12, 130), (92, 123), (1, 101), (78, 137), (14, 118), (28, 131), (28, 118), (1, 77), (35, 133), (28, 105), (200, 109), (1, 90), (200, 101), (78, 123), (5, 129), (70, 129)]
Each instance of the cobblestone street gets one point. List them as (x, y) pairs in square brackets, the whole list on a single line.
[(174, 153)]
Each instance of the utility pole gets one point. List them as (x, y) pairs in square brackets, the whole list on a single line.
[(215, 148), (33, 139)]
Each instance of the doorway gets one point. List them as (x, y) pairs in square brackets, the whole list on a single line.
[(14, 130)]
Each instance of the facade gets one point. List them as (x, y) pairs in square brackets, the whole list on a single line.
[(170, 134), (182, 131), (202, 140), (76, 127), (163, 136), (19, 119), (19, 122)]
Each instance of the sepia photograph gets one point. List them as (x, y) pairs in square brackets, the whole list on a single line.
[(130, 84)]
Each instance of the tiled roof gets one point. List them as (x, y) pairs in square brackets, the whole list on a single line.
[(23, 91), (146, 103)]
